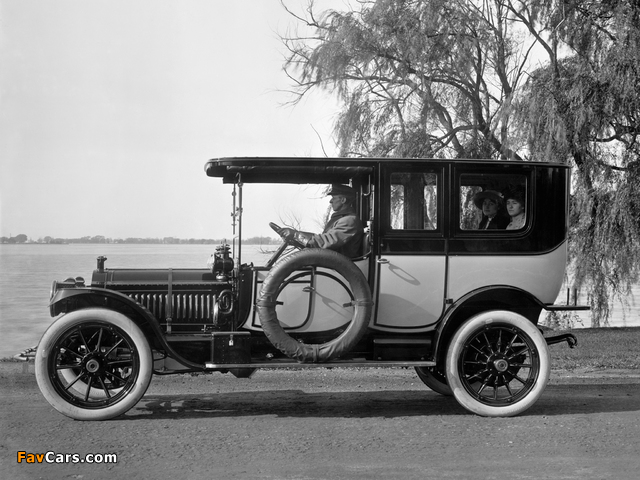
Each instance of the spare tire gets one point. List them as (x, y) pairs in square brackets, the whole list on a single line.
[(315, 353)]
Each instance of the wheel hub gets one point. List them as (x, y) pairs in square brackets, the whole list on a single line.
[(93, 364), (501, 365)]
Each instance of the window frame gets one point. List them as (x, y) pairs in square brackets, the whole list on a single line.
[(456, 211), (411, 241), (417, 168)]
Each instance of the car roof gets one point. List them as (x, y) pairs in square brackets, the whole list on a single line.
[(322, 169)]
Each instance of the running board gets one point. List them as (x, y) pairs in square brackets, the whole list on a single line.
[(335, 364)]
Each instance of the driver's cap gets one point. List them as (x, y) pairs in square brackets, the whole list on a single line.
[(338, 189)]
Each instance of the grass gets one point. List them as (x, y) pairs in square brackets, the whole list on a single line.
[(599, 348)]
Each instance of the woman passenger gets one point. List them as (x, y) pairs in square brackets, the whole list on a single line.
[(490, 202), (515, 201)]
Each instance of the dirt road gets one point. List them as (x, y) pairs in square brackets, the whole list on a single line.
[(328, 424)]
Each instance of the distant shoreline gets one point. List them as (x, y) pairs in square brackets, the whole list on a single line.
[(141, 243), (23, 239)]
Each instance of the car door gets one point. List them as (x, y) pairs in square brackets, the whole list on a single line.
[(411, 258)]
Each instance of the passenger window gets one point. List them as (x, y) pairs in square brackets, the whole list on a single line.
[(414, 201), (493, 202)]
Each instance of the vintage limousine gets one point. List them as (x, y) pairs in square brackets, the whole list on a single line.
[(445, 281)]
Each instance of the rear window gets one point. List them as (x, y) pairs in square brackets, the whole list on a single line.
[(493, 202)]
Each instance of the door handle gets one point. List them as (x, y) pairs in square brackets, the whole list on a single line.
[(382, 260)]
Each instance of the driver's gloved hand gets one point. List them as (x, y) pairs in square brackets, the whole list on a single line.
[(302, 238), (287, 233)]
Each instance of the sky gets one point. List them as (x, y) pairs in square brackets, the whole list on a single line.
[(110, 109)]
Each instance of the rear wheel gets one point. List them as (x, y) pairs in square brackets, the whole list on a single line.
[(93, 364), (497, 364), (435, 380)]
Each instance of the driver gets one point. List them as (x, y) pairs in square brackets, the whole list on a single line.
[(342, 233)]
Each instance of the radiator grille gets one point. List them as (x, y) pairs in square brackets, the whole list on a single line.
[(185, 306)]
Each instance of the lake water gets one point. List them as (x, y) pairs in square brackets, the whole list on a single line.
[(27, 271)]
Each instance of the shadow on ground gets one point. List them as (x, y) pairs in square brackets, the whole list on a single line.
[(556, 400)]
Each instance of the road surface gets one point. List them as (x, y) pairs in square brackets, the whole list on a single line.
[(326, 424)]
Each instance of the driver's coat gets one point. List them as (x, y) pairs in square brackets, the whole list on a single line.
[(342, 233)]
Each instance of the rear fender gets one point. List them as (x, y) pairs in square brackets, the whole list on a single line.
[(497, 297)]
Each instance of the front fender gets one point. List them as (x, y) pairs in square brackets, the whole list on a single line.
[(70, 299)]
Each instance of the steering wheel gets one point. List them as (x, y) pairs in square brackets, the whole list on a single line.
[(288, 241)]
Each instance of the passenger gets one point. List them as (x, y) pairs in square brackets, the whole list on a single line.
[(493, 217), (515, 201), (344, 230)]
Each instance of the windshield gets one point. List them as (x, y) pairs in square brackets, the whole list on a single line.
[(302, 207)]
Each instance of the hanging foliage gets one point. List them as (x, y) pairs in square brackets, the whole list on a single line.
[(527, 80)]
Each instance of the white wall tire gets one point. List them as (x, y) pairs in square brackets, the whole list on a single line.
[(497, 364), (93, 364)]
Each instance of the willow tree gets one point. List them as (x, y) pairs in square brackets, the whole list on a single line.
[(583, 108), (529, 80), (416, 78)]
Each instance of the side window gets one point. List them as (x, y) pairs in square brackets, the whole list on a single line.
[(414, 201), (493, 202)]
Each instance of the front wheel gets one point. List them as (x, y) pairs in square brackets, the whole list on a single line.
[(497, 364), (93, 364)]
